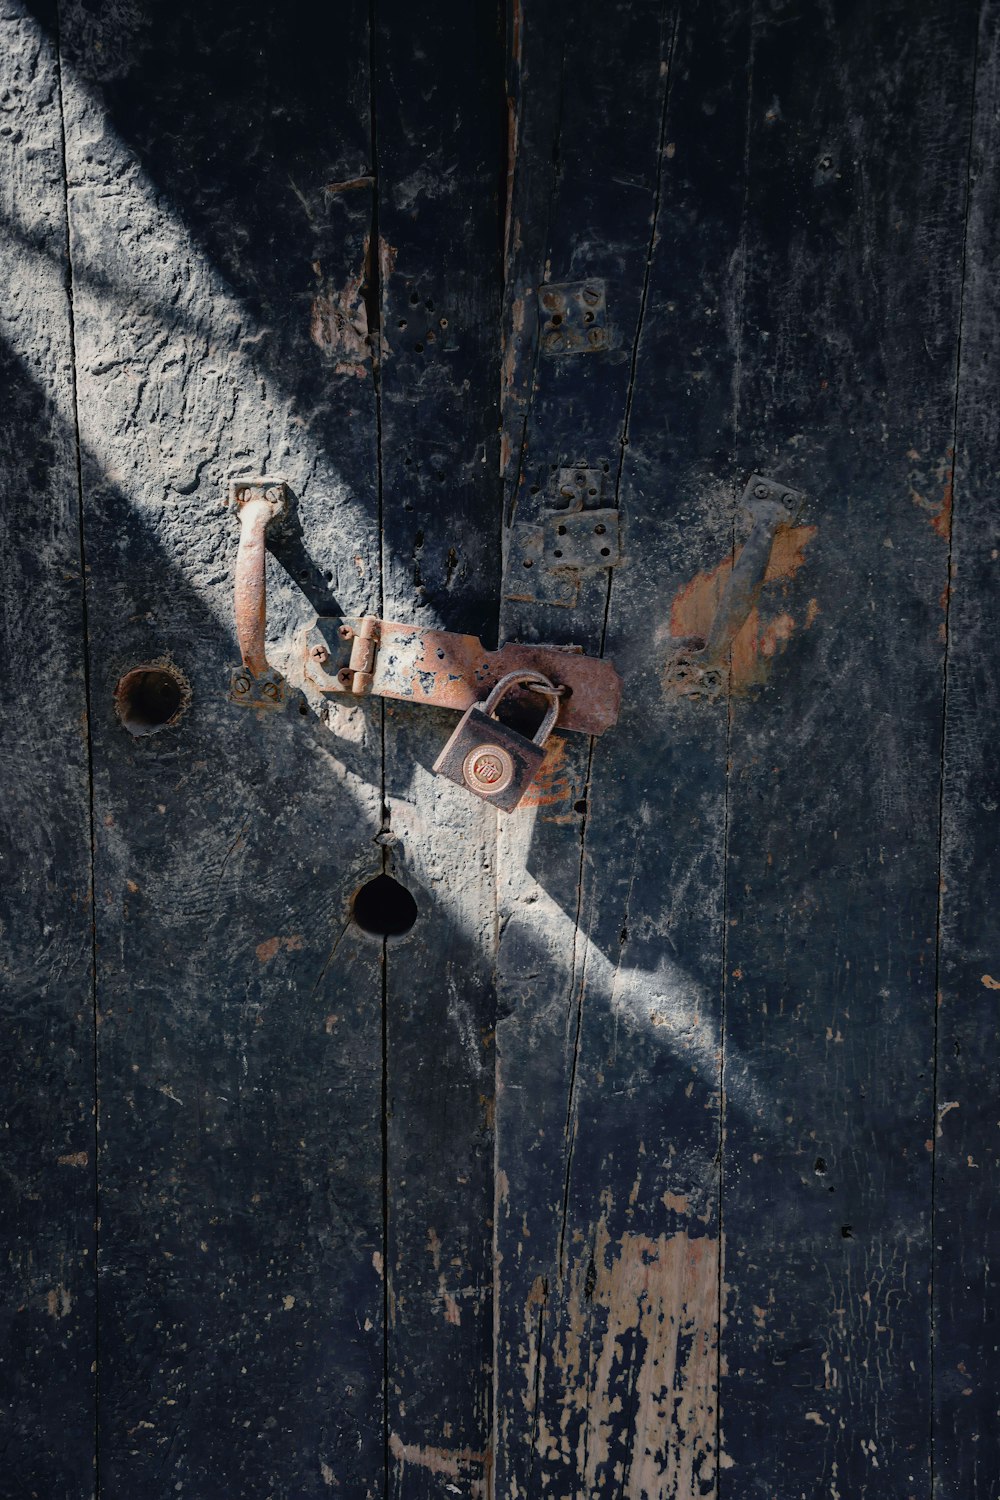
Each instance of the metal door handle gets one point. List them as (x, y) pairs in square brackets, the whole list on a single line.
[(258, 502)]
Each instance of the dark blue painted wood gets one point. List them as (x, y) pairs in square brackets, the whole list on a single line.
[(47, 1334), (850, 275), (439, 137), (966, 1225), (218, 260), (609, 1054)]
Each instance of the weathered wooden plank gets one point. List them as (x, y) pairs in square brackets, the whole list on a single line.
[(439, 149), (849, 281), (609, 1050), (587, 103), (967, 1226), (46, 977), (220, 247)]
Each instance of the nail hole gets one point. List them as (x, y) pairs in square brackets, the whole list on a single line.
[(561, 530), (442, 322), (557, 553), (149, 698), (328, 575), (605, 551), (303, 709), (533, 489), (556, 319), (581, 806), (440, 654), (384, 908), (600, 530), (527, 563), (847, 1232), (429, 305), (402, 323), (592, 491), (418, 348), (414, 299), (820, 1166)]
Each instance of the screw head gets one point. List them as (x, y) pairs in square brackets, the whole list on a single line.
[(761, 491), (596, 336), (241, 684), (319, 653), (345, 676), (345, 632)]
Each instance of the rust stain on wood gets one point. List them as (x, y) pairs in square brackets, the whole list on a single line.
[(265, 951), (553, 782), (763, 635)]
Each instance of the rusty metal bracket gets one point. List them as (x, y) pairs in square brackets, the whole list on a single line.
[(258, 502), (575, 317), (440, 669), (697, 669)]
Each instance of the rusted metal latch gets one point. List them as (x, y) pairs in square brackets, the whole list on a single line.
[(361, 656), (698, 666), (444, 670)]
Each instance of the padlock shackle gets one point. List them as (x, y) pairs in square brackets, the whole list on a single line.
[(536, 683)]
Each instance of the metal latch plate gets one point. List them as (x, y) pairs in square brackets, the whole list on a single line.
[(444, 670)]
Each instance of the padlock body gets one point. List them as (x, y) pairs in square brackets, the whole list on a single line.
[(490, 759)]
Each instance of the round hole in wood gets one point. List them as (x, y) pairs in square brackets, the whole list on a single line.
[(384, 908), (151, 697)]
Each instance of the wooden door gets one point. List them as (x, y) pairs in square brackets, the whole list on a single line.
[(652, 1155)]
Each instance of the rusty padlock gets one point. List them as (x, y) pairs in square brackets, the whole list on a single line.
[(489, 758)]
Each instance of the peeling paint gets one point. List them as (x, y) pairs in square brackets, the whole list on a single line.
[(638, 1329), (338, 323), (453, 1463)]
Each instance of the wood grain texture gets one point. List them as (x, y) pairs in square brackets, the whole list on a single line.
[(609, 1050), (439, 145), (967, 1228), (240, 1067), (850, 274), (46, 980)]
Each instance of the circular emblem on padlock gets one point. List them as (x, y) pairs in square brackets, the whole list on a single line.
[(488, 769)]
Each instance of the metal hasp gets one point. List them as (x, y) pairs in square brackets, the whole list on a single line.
[(491, 759), (437, 668), (574, 317), (258, 502), (697, 668)]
